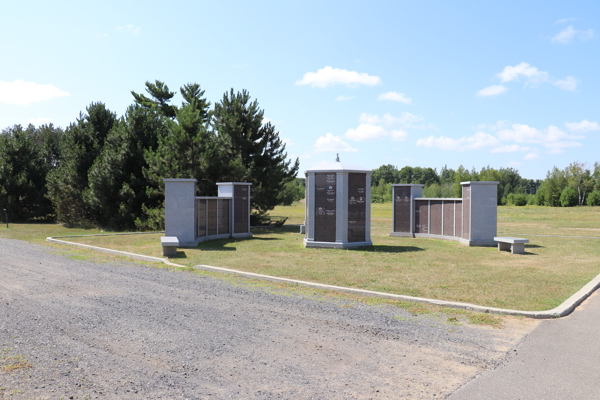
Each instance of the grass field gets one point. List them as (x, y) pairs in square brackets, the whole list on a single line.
[(552, 269)]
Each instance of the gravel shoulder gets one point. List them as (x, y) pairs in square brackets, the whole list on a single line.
[(80, 329)]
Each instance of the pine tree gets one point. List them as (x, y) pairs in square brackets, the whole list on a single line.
[(239, 124)]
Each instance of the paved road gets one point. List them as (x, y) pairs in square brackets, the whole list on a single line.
[(559, 360), (74, 328)]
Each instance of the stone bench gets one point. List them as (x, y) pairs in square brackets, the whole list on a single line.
[(515, 245), (169, 245)]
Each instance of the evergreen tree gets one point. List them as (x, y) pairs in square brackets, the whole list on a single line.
[(23, 173), (80, 144), (238, 122), (117, 185), (160, 98)]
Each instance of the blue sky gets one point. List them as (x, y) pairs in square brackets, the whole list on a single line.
[(504, 84)]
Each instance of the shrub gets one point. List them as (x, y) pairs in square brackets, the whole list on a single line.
[(520, 199), (531, 199), (568, 197), (594, 198)]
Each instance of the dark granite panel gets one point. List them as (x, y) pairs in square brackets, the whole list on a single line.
[(241, 196), (436, 217), (402, 209), (223, 208), (458, 219), (357, 207), (448, 218), (201, 210), (421, 216), (212, 217), (325, 207)]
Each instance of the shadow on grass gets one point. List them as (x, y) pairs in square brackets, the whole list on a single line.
[(277, 229), (388, 249), (229, 244), (179, 254), (534, 246)]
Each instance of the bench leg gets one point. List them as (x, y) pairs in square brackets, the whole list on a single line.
[(169, 251), (518, 248), (503, 246)]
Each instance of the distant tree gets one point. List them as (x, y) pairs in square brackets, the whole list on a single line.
[(292, 191), (580, 179), (159, 99), (569, 197), (405, 175), (594, 198), (117, 185), (23, 171), (388, 173), (80, 144), (239, 124), (447, 175)]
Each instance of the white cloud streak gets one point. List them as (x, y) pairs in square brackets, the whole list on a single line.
[(532, 74), (395, 96), (329, 142), (569, 83), (493, 90), (24, 93), (567, 35), (128, 29), (478, 141), (345, 98), (330, 76), (583, 126)]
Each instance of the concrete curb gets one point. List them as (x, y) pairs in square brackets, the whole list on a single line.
[(562, 310)]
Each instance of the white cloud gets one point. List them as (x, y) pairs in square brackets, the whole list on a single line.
[(128, 29), (521, 133), (569, 83), (395, 96), (568, 34), (565, 20), (492, 91), (266, 120), (329, 76), (39, 121), (287, 141), (332, 143), (532, 74), (25, 93), (512, 149), (475, 142), (366, 132), (344, 98), (398, 135), (493, 127), (583, 126), (531, 156), (557, 147), (405, 119)]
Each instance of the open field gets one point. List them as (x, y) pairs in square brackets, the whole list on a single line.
[(552, 269)]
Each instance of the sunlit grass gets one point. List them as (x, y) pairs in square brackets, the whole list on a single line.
[(551, 270)]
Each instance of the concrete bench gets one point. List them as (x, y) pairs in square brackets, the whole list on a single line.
[(169, 245), (515, 245)]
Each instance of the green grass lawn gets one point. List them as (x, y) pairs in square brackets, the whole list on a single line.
[(551, 270)]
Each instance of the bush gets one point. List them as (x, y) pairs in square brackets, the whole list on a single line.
[(520, 199), (594, 198), (531, 199), (568, 197)]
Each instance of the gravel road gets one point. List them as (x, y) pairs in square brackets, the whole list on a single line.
[(77, 329)]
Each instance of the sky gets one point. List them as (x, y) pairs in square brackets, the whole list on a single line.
[(509, 84)]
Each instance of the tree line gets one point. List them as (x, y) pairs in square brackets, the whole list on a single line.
[(108, 171), (571, 186)]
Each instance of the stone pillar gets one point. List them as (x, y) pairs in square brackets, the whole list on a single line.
[(180, 210)]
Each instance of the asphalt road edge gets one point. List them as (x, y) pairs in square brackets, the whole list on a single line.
[(561, 311)]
